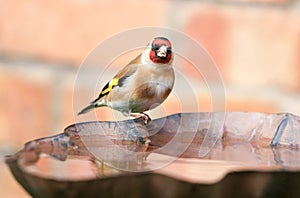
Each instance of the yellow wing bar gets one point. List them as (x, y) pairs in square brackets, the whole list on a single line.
[(111, 85)]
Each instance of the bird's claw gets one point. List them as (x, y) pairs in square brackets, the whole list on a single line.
[(145, 118)]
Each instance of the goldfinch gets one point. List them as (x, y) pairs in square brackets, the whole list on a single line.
[(141, 85)]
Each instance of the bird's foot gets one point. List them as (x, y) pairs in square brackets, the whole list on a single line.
[(146, 119)]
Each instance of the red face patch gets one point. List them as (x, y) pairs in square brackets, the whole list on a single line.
[(155, 46)]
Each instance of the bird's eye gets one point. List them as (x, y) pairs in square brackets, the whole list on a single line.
[(169, 50), (155, 47)]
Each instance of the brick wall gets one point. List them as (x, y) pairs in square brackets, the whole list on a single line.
[(255, 44)]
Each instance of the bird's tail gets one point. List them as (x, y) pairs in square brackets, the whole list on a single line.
[(91, 107)]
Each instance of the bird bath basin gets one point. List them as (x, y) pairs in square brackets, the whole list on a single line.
[(208, 154)]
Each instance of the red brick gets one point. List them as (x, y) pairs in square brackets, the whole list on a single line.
[(297, 61), (252, 46), (262, 50), (67, 114), (250, 105), (260, 2), (68, 30), (25, 110), (210, 27)]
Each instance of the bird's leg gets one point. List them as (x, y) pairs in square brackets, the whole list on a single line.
[(144, 116)]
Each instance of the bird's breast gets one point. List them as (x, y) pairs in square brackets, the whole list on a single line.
[(142, 91)]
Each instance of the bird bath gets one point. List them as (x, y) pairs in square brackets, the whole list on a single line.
[(208, 154)]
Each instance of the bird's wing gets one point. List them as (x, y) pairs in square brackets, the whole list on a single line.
[(130, 68), (119, 78)]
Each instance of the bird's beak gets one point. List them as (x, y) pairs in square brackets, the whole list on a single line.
[(162, 51)]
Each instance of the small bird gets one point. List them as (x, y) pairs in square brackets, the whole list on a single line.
[(141, 85)]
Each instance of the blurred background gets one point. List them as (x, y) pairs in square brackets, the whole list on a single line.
[(255, 44)]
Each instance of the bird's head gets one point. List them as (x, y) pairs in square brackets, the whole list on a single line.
[(160, 50)]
